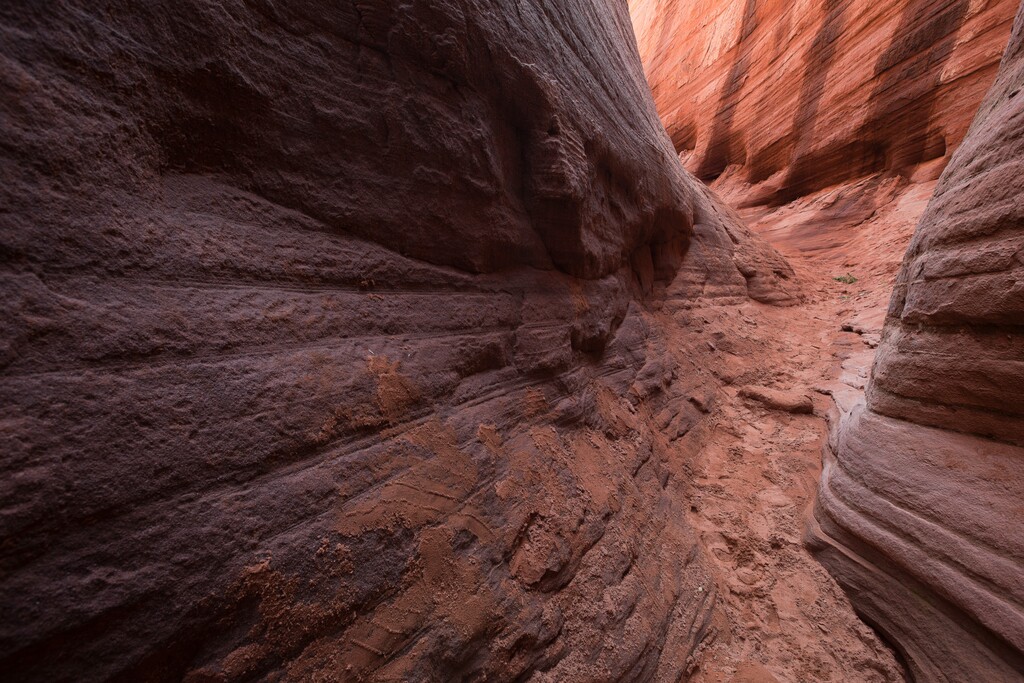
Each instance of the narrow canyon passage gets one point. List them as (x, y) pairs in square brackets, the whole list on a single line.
[(838, 130), (545, 341), (785, 371)]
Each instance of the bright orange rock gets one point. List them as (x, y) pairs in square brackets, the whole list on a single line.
[(797, 97)]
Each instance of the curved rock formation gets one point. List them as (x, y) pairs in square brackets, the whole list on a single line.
[(797, 97), (920, 506), (295, 295)]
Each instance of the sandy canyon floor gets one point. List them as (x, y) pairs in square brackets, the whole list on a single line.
[(784, 371)]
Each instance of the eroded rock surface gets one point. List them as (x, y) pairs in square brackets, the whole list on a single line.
[(919, 510), (791, 98), (326, 353)]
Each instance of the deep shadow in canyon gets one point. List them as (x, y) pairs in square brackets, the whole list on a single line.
[(721, 148), (898, 133)]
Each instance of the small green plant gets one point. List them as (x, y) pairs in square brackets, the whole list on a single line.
[(845, 279)]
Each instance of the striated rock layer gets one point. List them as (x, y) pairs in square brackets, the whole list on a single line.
[(919, 511), (795, 97), (295, 297)]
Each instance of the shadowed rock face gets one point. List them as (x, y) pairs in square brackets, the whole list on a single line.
[(295, 297), (920, 504), (802, 97)]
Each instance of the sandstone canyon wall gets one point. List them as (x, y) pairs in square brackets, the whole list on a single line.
[(919, 512), (794, 97), (295, 297)]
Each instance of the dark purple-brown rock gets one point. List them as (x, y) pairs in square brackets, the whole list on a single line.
[(295, 296)]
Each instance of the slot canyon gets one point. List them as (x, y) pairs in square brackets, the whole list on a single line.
[(512, 340)]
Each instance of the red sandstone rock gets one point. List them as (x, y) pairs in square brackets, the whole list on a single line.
[(794, 98), (786, 401), (295, 297), (920, 502)]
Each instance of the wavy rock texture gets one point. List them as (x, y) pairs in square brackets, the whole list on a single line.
[(795, 97), (920, 506), (325, 351)]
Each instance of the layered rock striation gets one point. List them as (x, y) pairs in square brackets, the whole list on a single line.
[(919, 509), (792, 98), (325, 348)]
